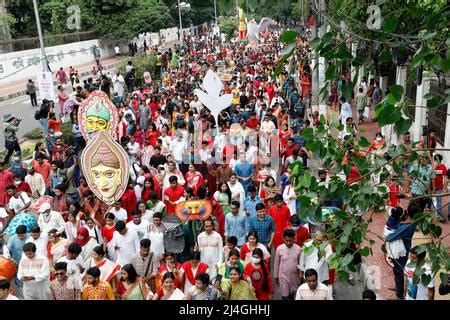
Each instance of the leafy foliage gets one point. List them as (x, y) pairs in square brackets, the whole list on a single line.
[(414, 32)]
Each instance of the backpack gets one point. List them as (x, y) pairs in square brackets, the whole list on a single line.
[(173, 234), (37, 114)]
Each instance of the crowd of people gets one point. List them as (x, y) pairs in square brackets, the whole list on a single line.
[(250, 247)]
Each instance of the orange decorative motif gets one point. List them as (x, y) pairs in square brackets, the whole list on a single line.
[(193, 210)]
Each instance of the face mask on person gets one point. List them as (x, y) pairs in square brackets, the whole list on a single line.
[(17, 182), (295, 228), (379, 139), (256, 260)]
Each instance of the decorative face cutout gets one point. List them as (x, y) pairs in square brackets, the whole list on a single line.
[(97, 113), (193, 210), (106, 168)]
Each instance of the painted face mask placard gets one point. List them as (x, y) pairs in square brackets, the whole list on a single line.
[(106, 168), (97, 113)]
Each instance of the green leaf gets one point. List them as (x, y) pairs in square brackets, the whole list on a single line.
[(436, 230), (425, 227), (330, 73), (308, 250), (396, 91), (403, 126), (343, 53), (304, 201), (364, 251), (347, 259), (333, 262), (445, 65), (390, 24), (342, 215), (385, 56), (326, 38), (444, 277), (372, 242), (308, 133), (416, 61), (428, 35), (289, 36), (428, 96), (315, 43), (389, 114), (363, 142), (433, 102), (357, 61), (348, 228)]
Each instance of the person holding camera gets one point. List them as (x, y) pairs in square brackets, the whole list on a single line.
[(10, 128)]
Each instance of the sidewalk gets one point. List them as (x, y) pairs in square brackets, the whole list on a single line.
[(375, 270), (18, 88)]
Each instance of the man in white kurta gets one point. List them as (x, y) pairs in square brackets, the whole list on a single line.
[(40, 241), (125, 243), (49, 219), (237, 190), (312, 260), (211, 248), (34, 272)]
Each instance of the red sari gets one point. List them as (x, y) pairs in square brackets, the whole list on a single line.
[(187, 267), (154, 107), (218, 213), (194, 180), (163, 269), (129, 202), (152, 137), (107, 232)]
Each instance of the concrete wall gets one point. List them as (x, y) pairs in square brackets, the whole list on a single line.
[(19, 65)]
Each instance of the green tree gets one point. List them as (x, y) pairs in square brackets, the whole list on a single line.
[(419, 27)]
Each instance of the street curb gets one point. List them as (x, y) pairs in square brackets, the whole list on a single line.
[(55, 82)]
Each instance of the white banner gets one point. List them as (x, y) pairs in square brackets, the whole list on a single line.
[(45, 82), (321, 69)]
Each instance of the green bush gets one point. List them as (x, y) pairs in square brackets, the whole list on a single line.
[(228, 26), (34, 134), (141, 64)]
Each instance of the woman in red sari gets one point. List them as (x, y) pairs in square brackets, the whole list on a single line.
[(194, 179), (154, 105), (306, 85), (170, 265), (285, 134), (139, 135), (152, 134), (149, 186)]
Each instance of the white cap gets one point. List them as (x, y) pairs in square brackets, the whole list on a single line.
[(44, 207)]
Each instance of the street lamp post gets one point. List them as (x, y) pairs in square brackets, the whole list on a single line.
[(41, 39), (215, 12), (181, 25), (182, 6)]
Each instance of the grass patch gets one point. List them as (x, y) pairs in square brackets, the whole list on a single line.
[(34, 134)]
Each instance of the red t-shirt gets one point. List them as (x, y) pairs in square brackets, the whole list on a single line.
[(173, 195), (440, 171), (301, 236), (252, 123), (281, 218)]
